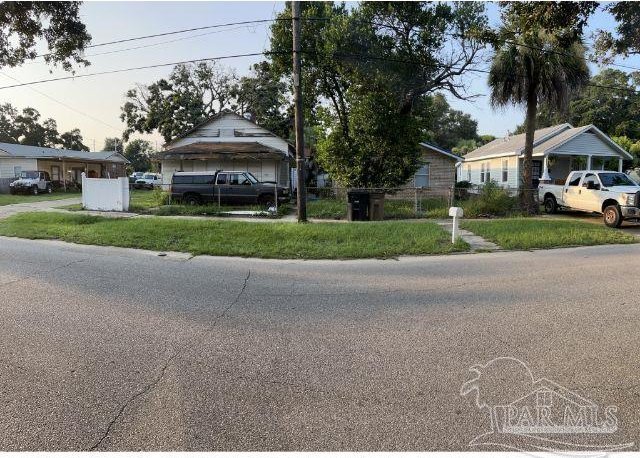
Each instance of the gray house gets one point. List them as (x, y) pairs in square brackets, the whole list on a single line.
[(557, 150), (63, 165)]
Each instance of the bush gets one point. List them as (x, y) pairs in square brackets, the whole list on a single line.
[(492, 201), (160, 197)]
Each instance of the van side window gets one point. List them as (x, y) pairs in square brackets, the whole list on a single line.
[(222, 178), (203, 179), (575, 179), (182, 179)]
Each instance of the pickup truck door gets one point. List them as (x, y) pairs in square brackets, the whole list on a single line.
[(570, 195), (222, 188), (590, 193), (241, 188)]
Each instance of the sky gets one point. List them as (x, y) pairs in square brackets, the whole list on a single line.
[(93, 104)]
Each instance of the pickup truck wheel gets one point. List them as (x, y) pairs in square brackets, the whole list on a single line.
[(266, 200), (35, 190), (192, 200), (49, 189), (612, 216), (550, 205)]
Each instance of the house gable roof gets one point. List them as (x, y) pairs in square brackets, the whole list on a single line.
[(437, 149), (260, 131), (546, 141), (514, 144), (41, 152)]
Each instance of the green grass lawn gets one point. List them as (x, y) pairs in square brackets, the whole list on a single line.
[(529, 233), (231, 238), (393, 209), (8, 199)]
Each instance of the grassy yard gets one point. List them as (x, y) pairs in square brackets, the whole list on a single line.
[(393, 209), (8, 199), (230, 238), (529, 233)]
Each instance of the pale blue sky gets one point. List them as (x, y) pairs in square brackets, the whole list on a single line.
[(101, 97)]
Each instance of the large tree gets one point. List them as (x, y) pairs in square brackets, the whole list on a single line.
[(626, 41), (538, 59), (443, 125), (191, 94), (265, 97), (25, 127), (23, 24), (113, 144), (395, 53), (138, 152)]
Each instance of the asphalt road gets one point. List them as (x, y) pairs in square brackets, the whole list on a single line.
[(115, 349)]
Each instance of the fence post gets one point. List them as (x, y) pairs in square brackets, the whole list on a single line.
[(275, 194), (415, 203)]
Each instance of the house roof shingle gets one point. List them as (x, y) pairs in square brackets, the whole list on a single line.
[(28, 151)]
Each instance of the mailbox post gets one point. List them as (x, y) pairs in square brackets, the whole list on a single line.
[(456, 213)]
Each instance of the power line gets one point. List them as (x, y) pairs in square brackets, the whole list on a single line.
[(174, 32), (64, 104), (144, 67)]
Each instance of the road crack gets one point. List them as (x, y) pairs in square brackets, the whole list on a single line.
[(163, 370)]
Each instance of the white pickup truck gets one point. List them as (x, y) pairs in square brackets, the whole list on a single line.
[(613, 194)]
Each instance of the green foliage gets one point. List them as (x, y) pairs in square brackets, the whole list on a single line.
[(190, 95), (160, 197), (113, 144), (231, 238), (138, 153), (379, 148), (265, 97), (26, 128), (444, 126), (24, 24), (530, 233), (627, 39), (492, 201)]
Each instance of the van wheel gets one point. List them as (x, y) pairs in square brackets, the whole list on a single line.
[(192, 200), (35, 191), (550, 205), (612, 216)]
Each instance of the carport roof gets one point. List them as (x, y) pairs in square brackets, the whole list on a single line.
[(210, 149), (41, 152)]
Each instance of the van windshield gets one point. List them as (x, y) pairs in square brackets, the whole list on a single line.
[(29, 175), (615, 179)]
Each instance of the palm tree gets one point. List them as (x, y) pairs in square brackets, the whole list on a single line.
[(530, 70)]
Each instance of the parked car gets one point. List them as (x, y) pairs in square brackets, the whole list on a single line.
[(613, 194), (226, 187), (33, 182), (148, 181), (135, 176)]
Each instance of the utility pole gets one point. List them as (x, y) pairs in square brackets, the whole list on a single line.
[(297, 96)]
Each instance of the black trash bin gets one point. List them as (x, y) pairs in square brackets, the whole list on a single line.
[(358, 205)]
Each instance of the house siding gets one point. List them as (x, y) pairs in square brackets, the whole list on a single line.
[(442, 169), (264, 170), (495, 167), (7, 165), (586, 144)]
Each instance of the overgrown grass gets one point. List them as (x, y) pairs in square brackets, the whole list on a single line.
[(230, 238), (393, 209), (530, 233), (8, 199)]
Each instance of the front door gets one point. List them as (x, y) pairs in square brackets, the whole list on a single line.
[(536, 172)]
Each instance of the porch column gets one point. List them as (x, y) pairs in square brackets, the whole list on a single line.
[(64, 176), (589, 162), (545, 178), (620, 165)]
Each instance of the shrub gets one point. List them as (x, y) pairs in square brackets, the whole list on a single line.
[(160, 197), (492, 201)]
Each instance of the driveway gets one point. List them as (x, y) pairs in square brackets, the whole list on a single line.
[(45, 205), (116, 349)]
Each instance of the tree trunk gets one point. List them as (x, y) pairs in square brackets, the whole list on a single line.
[(527, 200)]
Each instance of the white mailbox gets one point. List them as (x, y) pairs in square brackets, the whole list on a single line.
[(457, 213)]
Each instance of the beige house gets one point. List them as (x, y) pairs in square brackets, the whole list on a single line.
[(557, 150), (64, 166), (228, 141), (437, 170)]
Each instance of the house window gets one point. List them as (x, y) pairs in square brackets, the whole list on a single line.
[(505, 170), (421, 178), (487, 172), (55, 173), (482, 173), (469, 173), (17, 170)]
